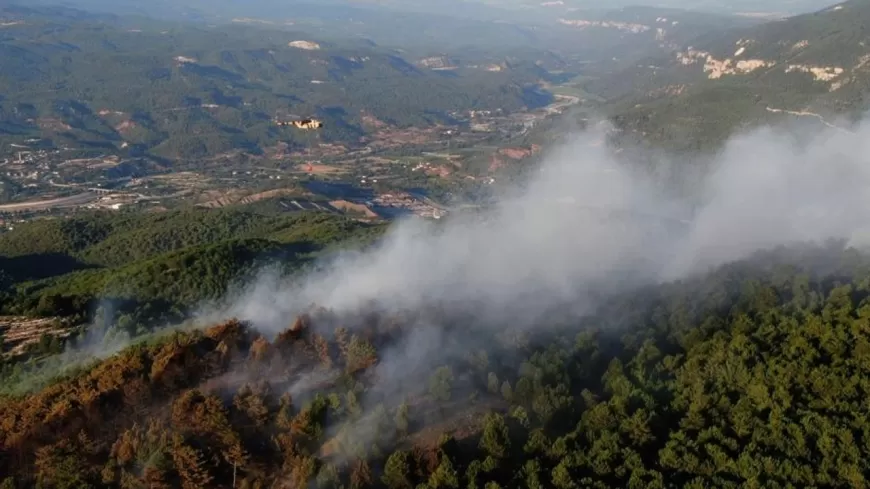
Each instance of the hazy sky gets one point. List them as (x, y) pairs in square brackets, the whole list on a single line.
[(282, 7)]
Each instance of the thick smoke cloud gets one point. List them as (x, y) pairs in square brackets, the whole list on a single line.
[(589, 224), (767, 190)]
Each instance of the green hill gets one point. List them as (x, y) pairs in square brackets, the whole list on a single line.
[(174, 259), (188, 90), (813, 64)]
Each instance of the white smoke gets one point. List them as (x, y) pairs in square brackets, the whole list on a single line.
[(586, 224), (766, 190)]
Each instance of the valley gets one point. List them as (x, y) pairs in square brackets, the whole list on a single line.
[(110, 153), (404, 158)]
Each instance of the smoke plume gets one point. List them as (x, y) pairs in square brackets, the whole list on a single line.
[(588, 224)]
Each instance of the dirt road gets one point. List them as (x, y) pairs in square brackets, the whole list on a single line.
[(804, 113)]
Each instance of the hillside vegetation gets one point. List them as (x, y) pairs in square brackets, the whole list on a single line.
[(156, 262), (186, 91), (752, 376), (814, 66)]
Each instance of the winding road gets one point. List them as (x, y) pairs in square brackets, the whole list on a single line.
[(804, 113)]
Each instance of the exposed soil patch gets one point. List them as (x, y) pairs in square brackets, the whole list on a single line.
[(240, 198), (346, 206), (19, 332), (51, 124), (318, 169)]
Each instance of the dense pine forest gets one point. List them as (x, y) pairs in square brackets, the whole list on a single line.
[(753, 375)]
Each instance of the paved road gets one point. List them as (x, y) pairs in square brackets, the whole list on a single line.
[(39, 205)]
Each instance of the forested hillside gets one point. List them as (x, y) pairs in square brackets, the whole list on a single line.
[(186, 90), (751, 376), (812, 66), (468, 357), (156, 262)]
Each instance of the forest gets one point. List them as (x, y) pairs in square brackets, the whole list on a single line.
[(753, 375), (166, 261)]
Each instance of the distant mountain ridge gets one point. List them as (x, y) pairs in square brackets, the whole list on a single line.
[(816, 64), (480, 9), (185, 91)]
